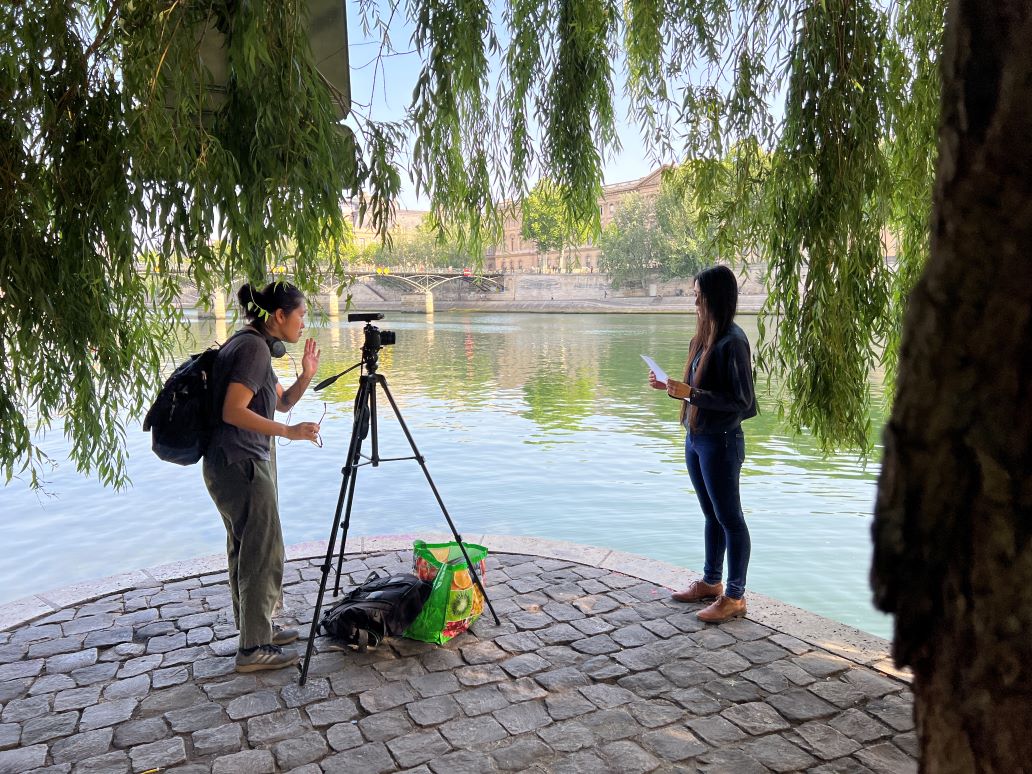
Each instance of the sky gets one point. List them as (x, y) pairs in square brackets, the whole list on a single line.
[(385, 93)]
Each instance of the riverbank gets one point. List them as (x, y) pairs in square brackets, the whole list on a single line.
[(634, 305), (592, 668)]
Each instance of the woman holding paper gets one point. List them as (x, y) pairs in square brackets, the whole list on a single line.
[(717, 394)]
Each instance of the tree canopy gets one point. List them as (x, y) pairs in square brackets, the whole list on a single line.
[(119, 176)]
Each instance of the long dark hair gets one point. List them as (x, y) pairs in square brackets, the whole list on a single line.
[(259, 305), (718, 291)]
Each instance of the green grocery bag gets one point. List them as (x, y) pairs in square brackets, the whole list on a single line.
[(455, 601)]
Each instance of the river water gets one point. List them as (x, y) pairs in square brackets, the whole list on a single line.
[(532, 424)]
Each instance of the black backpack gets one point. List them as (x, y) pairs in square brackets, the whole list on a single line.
[(381, 607), (182, 418)]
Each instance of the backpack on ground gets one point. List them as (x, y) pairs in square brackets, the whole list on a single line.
[(379, 608), (182, 418)]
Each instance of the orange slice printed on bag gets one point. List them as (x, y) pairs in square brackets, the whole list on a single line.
[(440, 554), (462, 579)]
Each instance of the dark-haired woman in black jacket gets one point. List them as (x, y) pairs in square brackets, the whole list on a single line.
[(717, 394)]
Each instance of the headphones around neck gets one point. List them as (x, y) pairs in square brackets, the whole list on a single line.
[(276, 347)]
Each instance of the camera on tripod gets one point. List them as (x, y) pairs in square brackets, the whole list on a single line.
[(375, 339)]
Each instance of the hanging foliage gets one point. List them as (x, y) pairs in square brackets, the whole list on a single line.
[(122, 173)]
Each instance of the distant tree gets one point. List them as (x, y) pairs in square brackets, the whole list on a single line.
[(633, 246), (544, 220)]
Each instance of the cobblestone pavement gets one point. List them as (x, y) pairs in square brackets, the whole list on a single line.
[(591, 670)]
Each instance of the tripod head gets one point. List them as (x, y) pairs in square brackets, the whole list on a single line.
[(375, 339)]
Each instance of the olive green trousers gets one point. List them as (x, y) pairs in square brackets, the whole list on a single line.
[(245, 494)]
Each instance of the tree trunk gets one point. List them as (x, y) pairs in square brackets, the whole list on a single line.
[(953, 520)]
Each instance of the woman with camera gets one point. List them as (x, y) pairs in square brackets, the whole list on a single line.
[(717, 394), (240, 464)]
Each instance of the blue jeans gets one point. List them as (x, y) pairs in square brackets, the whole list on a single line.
[(714, 464)]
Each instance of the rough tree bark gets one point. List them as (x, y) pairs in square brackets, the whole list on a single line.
[(953, 521)]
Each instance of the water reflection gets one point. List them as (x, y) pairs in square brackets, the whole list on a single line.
[(530, 424)]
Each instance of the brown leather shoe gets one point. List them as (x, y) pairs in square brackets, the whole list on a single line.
[(698, 592), (724, 609)]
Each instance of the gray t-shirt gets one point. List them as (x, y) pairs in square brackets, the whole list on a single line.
[(244, 359)]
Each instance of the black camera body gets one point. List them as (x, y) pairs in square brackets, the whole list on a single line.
[(375, 339)]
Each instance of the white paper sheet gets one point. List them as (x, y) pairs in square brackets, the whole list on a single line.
[(654, 367)]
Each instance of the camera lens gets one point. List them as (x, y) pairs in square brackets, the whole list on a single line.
[(387, 337)]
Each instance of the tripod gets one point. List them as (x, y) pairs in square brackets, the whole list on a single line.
[(364, 423)]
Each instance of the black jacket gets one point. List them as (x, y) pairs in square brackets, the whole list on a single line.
[(724, 393)]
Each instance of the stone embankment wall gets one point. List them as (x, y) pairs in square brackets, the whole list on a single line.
[(524, 293)]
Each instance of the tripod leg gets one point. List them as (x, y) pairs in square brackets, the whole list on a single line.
[(433, 487), (361, 417), (346, 485)]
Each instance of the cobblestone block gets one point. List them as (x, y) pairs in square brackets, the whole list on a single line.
[(777, 753), (606, 696), (685, 674), (527, 620), (825, 742), (108, 713), (568, 736), (166, 642), (712, 639), (247, 762), (559, 634), (821, 664), (604, 668), (221, 739), (418, 747), (10, 733), (131, 688), (841, 766), (483, 653), (560, 611), (633, 636), (431, 712), (755, 718), (370, 758), (137, 732), (89, 623), (344, 736), (295, 695), (435, 684), (166, 678), (477, 701), (205, 715), (473, 733), (158, 755), (732, 762), (686, 622), (440, 660), (230, 689), (48, 648), (385, 725), (386, 697), (760, 651), (79, 746), (197, 621), (105, 638), (522, 755), (116, 762), (249, 705), (523, 717), (306, 748), (214, 667), (22, 759), (356, 679), (20, 669), (16, 651), (525, 665), (519, 642), (894, 710), (560, 679), (48, 727), (184, 656), (568, 704), (646, 684), (733, 689), (870, 683), (723, 662), (596, 646), (327, 713), (790, 643), (561, 655), (97, 673), (400, 668), (523, 689), (716, 730), (137, 666), (610, 725), (626, 756), (591, 626), (837, 691), (481, 674), (655, 713), (25, 709), (859, 726)]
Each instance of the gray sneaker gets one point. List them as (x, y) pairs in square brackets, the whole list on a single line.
[(265, 657), (281, 636)]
